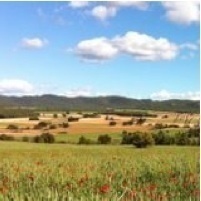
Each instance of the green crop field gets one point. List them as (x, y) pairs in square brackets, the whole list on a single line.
[(31, 171)]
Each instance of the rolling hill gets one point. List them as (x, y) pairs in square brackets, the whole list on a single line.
[(54, 102)]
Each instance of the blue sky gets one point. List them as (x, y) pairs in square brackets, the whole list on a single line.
[(132, 49)]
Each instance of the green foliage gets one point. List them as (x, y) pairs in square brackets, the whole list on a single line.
[(41, 125), (83, 140), (104, 139), (112, 123), (52, 126), (163, 138), (65, 125), (34, 118), (127, 138), (25, 139), (5, 137), (181, 138), (53, 102), (73, 119), (12, 127), (140, 121), (91, 115), (55, 115), (142, 140), (44, 138)]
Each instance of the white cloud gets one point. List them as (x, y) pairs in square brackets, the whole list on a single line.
[(140, 46), (83, 91), (182, 12), (109, 9), (190, 46), (165, 95), (97, 49), (15, 87), (145, 47), (103, 12), (142, 5), (33, 43), (78, 4)]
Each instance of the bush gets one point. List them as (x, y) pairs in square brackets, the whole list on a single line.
[(112, 123), (55, 115), (52, 126), (5, 137), (140, 121), (12, 127), (160, 126), (83, 140), (73, 119), (125, 123), (127, 138), (163, 138), (104, 139), (34, 118), (142, 140), (64, 115), (44, 138), (181, 138), (25, 139), (41, 125), (65, 125)]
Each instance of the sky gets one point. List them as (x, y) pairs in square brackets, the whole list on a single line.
[(136, 49)]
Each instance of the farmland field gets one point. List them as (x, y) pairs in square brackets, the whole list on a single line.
[(68, 171), (31, 171)]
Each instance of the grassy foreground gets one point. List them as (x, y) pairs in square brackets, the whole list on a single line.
[(71, 172)]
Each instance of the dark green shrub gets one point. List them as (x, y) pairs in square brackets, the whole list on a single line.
[(12, 127), (34, 118), (44, 138), (127, 138), (65, 125), (25, 139), (140, 121), (5, 137), (41, 125), (73, 119), (52, 126), (160, 126), (104, 139), (125, 123), (163, 138), (142, 140), (181, 138), (83, 140), (112, 123), (194, 132), (55, 115)]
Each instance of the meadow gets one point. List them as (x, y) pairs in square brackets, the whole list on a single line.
[(68, 171), (31, 171)]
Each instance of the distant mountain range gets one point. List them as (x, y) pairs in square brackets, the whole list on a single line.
[(54, 102)]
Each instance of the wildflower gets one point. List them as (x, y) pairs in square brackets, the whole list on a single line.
[(105, 188)]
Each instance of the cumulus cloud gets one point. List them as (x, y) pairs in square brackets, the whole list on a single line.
[(182, 12), (15, 87), (142, 5), (33, 43), (109, 9), (139, 46), (97, 49), (78, 4), (166, 95), (103, 12), (145, 47)]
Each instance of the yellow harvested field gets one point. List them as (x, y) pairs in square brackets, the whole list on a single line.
[(91, 125)]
